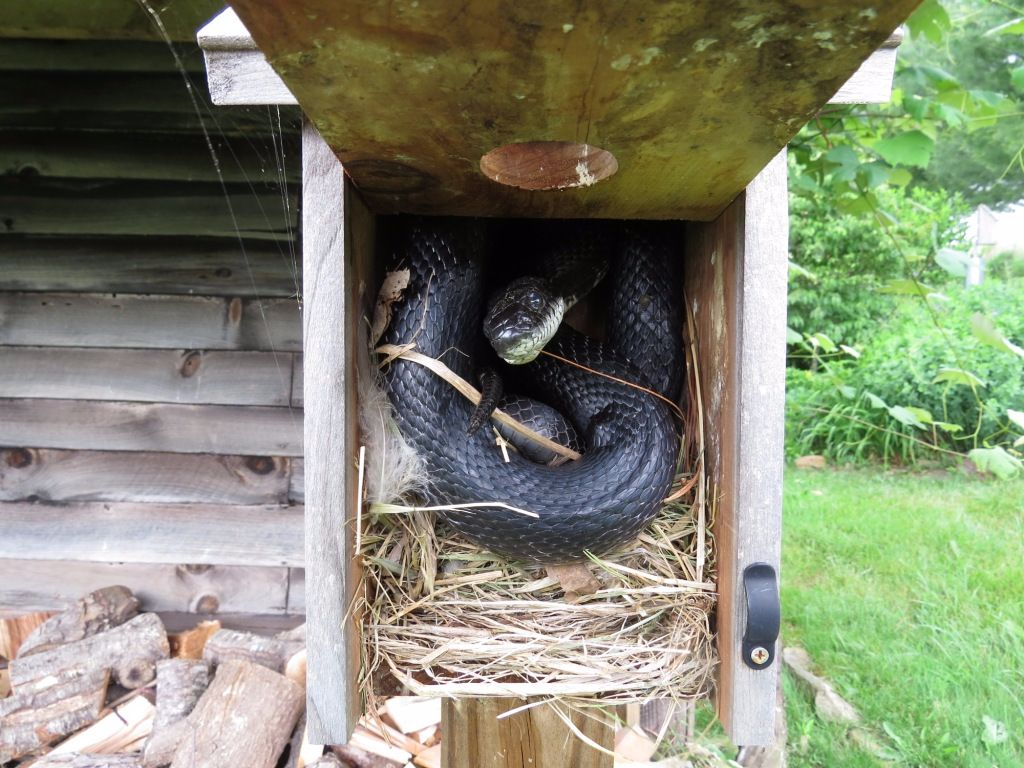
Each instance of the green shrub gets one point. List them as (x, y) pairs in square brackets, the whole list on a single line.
[(891, 401), (845, 259)]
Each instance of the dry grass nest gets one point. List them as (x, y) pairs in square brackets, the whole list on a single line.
[(447, 619)]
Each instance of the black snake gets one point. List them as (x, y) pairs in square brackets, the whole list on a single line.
[(594, 504)]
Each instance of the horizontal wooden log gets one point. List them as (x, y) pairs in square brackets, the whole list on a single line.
[(149, 156), (30, 474), (124, 728), (49, 585), (120, 100), (164, 322), (230, 644), (42, 711), (166, 208), (153, 533), (98, 56), (79, 760), (143, 375), (152, 265), (98, 611), (93, 425), (129, 652), (245, 717)]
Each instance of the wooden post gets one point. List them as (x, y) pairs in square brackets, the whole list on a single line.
[(478, 735), (736, 286), (337, 234)]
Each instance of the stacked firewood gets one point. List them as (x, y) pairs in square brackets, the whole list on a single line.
[(104, 686)]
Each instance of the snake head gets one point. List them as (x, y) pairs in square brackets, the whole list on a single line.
[(522, 319)]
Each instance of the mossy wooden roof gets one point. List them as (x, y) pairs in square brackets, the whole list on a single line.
[(692, 98)]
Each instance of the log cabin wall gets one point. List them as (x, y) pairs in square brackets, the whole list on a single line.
[(150, 336)]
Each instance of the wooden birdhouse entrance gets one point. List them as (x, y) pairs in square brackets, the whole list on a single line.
[(679, 112)]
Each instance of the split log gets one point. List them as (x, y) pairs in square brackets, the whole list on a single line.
[(96, 612), (329, 760), (5, 683), (294, 640), (354, 757), (123, 729), (14, 631), (302, 753), (413, 713), (191, 644), (245, 718), (41, 712), (230, 644), (179, 685), (368, 741), (129, 651), (295, 668), (76, 760), (429, 758)]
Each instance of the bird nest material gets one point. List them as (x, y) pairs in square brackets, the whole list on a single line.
[(447, 619)]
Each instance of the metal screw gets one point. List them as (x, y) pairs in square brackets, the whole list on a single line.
[(759, 655)]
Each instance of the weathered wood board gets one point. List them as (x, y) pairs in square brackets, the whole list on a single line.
[(175, 478), (103, 19), (338, 238), (176, 322), (736, 271), (37, 585), (154, 265), (113, 426), (692, 99), (99, 209), (155, 156), (144, 375), (43, 55), (203, 534)]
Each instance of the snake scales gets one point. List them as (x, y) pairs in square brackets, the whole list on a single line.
[(594, 504)]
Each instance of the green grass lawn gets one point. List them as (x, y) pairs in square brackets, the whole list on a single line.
[(908, 592)]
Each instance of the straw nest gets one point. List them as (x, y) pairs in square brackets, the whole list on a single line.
[(447, 619)]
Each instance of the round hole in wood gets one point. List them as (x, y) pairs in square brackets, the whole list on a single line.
[(548, 165)]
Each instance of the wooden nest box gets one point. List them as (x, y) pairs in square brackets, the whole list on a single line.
[(596, 110)]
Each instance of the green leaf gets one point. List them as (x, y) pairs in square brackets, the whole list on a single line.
[(875, 401), (796, 269), (910, 148), (945, 426), (986, 332), (930, 19), (793, 337), (1017, 78), (996, 461), (907, 417), (850, 351), (905, 288), (958, 376), (900, 177), (1017, 417), (823, 341), (953, 261), (1011, 27)]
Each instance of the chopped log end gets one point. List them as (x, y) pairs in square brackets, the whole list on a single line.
[(191, 644), (15, 633), (135, 673)]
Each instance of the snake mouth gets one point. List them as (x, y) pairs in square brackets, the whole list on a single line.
[(522, 320)]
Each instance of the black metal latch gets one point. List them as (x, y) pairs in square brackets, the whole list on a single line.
[(763, 615)]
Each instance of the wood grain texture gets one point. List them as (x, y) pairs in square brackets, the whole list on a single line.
[(191, 266), (102, 19), (96, 56), (297, 481), (151, 376), (736, 278), (88, 208), (155, 156), (245, 77), (177, 478), (52, 585), (475, 737), (337, 245), (201, 534), (109, 320), (692, 99), (161, 427)]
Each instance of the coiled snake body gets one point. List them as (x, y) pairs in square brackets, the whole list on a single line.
[(593, 504)]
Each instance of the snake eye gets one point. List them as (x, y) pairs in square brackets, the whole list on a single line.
[(535, 302)]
